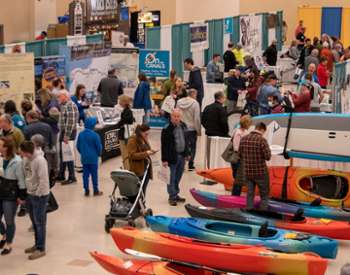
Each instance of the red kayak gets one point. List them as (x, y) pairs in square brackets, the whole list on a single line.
[(118, 266), (228, 257), (303, 184)]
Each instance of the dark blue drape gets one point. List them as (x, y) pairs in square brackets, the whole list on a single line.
[(331, 21)]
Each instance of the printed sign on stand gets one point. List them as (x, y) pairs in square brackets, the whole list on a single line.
[(199, 36), (154, 63)]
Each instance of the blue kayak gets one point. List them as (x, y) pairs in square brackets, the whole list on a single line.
[(227, 232)]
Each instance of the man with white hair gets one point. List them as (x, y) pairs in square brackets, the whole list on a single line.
[(312, 59), (68, 121), (174, 153)]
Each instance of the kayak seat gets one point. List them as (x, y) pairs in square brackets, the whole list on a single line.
[(328, 186), (265, 232), (299, 216)]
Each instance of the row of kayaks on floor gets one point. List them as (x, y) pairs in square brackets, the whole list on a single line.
[(180, 253)]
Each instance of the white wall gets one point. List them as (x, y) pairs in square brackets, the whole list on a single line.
[(197, 10), (44, 14)]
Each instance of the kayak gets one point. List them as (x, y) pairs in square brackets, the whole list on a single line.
[(228, 257), (304, 184), (229, 232), (315, 211), (118, 266), (328, 228)]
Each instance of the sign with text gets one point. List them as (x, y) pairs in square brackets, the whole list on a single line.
[(154, 63), (102, 9), (199, 36)]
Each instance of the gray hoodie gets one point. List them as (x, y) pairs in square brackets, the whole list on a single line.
[(191, 114), (36, 173)]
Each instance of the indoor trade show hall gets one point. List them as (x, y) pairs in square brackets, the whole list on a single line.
[(160, 137)]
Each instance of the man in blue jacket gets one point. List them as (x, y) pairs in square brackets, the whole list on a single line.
[(267, 91), (90, 148)]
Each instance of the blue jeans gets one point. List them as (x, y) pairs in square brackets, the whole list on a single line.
[(37, 212), (176, 172), (8, 210), (71, 172), (90, 169), (192, 143)]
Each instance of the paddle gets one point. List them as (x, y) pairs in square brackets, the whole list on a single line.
[(156, 258)]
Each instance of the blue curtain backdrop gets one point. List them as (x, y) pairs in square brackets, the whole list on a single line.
[(153, 38), (332, 21), (181, 46), (216, 38)]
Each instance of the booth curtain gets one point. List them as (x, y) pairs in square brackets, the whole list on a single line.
[(181, 46), (312, 20), (265, 31), (153, 38), (236, 30), (345, 36), (279, 30), (37, 47), (216, 38), (331, 21)]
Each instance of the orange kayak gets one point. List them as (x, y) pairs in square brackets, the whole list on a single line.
[(118, 266), (228, 257), (304, 184)]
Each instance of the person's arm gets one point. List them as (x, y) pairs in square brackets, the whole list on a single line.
[(265, 148), (99, 88), (70, 122), (98, 144), (164, 144), (132, 150), (224, 121), (210, 71), (121, 89), (197, 118), (20, 176), (79, 144), (205, 118), (196, 80), (41, 169)]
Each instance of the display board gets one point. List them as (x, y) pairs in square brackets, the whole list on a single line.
[(16, 77), (101, 10), (126, 63), (251, 33), (86, 65), (110, 142), (154, 63), (199, 36)]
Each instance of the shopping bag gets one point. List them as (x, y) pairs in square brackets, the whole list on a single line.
[(241, 101), (164, 174), (68, 151)]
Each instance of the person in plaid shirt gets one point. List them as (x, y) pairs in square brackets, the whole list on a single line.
[(67, 123), (254, 151)]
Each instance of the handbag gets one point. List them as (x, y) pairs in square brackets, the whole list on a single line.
[(229, 154), (8, 189)]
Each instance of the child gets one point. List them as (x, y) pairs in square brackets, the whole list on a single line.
[(38, 189), (90, 148)]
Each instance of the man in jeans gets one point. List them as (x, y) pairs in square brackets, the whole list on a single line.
[(191, 116), (68, 121), (38, 189), (174, 153), (254, 151)]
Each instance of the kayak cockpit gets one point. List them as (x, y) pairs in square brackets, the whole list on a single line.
[(326, 186), (241, 230)]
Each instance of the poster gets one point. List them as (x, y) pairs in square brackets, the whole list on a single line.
[(118, 39), (251, 33), (16, 77), (126, 64), (155, 63), (199, 33), (86, 65), (49, 68)]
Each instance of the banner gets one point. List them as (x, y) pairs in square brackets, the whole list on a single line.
[(126, 63), (52, 67), (16, 77), (199, 36), (251, 33), (86, 65), (155, 63), (228, 31), (76, 40)]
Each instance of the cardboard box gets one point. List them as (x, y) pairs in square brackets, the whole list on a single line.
[(57, 30)]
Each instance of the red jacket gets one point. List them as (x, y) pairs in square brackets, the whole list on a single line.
[(323, 75), (329, 55), (302, 102)]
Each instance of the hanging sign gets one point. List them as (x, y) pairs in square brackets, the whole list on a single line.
[(199, 36), (154, 63)]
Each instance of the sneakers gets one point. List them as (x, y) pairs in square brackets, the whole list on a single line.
[(2, 244), (67, 182), (87, 193), (6, 251), (191, 168), (36, 255), (172, 202), (30, 250), (180, 200), (98, 193)]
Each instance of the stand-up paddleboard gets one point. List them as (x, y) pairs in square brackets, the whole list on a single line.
[(316, 136)]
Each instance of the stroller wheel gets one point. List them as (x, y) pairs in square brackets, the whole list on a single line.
[(131, 223), (108, 225), (149, 212)]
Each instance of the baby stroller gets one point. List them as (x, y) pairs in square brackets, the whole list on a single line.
[(132, 203)]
